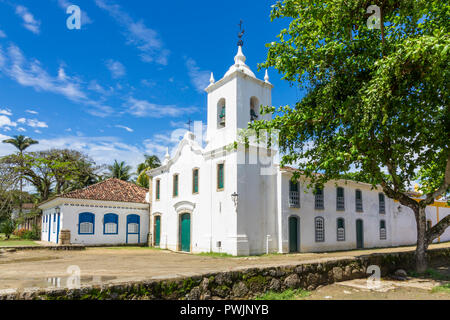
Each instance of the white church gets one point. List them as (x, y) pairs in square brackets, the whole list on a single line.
[(233, 197)]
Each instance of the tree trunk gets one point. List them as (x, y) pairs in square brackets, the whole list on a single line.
[(422, 241)]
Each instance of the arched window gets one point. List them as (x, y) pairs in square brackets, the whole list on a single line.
[(319, 224), (340, 203), (133, 222), (382, 230), (318, 198), (340, 229), (358, 201), (221, 113), (110, 223), (254, 108), (86, 223), (294, 194), (381, 204)]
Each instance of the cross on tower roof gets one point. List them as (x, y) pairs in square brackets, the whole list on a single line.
[(241, 34), (189, 124)]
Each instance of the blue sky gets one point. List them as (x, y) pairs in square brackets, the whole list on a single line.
[(135, 72)]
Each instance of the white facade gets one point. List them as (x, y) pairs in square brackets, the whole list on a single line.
[(69, 215), (210, 220)]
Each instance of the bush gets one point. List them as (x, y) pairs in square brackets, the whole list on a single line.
[(8, 227), (34, 234)]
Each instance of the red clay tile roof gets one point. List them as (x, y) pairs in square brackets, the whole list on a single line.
[(110, 190)]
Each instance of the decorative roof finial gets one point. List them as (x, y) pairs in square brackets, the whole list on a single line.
[(241, 34), (211, 80), (266, 77)]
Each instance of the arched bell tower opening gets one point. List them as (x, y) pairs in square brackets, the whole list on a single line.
[(221, 113), (254, 109)]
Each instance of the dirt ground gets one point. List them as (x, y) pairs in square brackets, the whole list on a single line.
[(44, 268), (388, 289)]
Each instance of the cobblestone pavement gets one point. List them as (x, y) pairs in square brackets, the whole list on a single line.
[(43, 268)]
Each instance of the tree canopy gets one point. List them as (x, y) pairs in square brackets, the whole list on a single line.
[(376, 100)]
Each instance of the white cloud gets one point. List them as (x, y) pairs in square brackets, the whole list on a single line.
[(199, 78), (6, 112), (31, 112), (5, 122), (33, 123), (124, 127), (116, 68), (143, 108), (85, 19), (2, 34), (21, 129), (30, 73), (29, 22), (96, 87), (146, 40)]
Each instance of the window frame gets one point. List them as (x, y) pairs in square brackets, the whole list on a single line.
[(385, 230), (86, 214), (219, 188), (381, 195), (175, 191), (116, 222), (319, 198), (157, 189), (193, 181), (358, 202), (337, 229), (316, 230), (338, 198)]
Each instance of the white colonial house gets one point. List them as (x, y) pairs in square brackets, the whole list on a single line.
[(223, 196), (111, 212)]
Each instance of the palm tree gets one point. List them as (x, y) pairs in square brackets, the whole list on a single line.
[(150, 162), (21, 143), (120, 171)]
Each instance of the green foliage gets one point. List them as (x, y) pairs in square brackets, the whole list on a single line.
[(21, 142), (373, 100), (7, 228), (289, 294), (443, 288), (119, 170), (151, 162)]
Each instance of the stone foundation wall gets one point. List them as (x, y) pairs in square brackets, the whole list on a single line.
[(241, 284)]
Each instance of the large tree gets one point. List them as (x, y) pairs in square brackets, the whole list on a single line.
[(376, 100), (54, 171), (21, 143)]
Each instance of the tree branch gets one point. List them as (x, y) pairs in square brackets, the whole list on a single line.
[(438, 229)]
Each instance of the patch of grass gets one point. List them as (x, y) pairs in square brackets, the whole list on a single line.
[(444, 288), (289, 294), (216, 255), (17, 242), (431, 274), (130, 248)]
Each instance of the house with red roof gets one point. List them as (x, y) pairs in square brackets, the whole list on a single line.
[(111, 212)]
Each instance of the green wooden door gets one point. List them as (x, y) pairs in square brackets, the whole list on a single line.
[(157, 231), (359, 234), (185, 235), (293, 234)]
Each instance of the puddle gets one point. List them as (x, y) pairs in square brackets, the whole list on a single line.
[(62, 282)]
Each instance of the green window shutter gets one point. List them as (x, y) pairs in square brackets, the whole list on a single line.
[(175, 185), (195, 182), (158, 182), (220, 176)]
